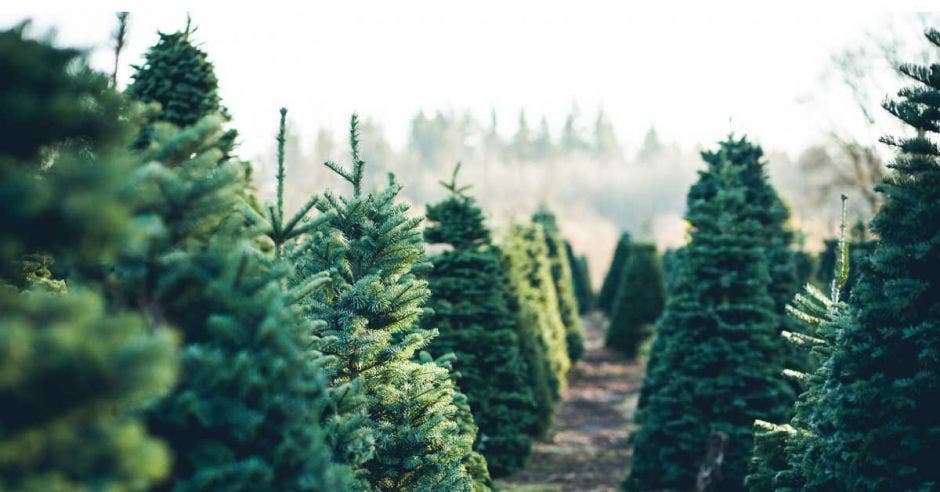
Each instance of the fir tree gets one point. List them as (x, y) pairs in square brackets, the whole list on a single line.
[(605, 298), (76, 373), (371, 306), (246, 414), (639, 301), (541, 332), (779, 449), (474, 321), (879, 421), (563, 283), (581, 278), (716, 362), (179, 76)]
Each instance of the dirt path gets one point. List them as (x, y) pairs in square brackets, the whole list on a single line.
[(587, 446)]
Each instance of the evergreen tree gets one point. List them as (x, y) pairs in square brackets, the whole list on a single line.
[(765, 206), (605, 298), (246, 413), (76, 373), (820, 318), (581, 278), (179, 76), (563, 283), (639, 302), (716, 363), (541, 331), (371, 306), (474, 321), (879, 408)]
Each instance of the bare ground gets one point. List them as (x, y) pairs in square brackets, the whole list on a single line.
[(586, 448)]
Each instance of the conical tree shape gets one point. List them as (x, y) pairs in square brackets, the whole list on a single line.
[(639, 302), (563, 281), (371, 307), (76, 373), (764, 206), (179, 76), (474, 321), (245, 415), (605, 298), (581, 278), (880, 405), (717, 362), (541, 333)]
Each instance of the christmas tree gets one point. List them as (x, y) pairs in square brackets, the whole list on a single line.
[(605, 298), (475, 323), (639, 300), (562, 279), (247, 378), (76, 373), (179, 76), (716, 363), (878, 410), (541, 332), (371, 307), (581, 278)]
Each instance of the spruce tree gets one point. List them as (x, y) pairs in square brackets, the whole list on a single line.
[(474, 321), (716, 365), (178, 75), (562, 279), (76, 372), (246, 414), (880, 404), (541, 332), (639, 301), (371, 306), (581, 278), (605, 298)]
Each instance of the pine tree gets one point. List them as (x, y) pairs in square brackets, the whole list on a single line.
[(563, 283), (541, 332), (716, 363), (179, 76), (474, 321), (605, 298), (639, 301), (246, 414), (76, 373), (371, 306), (880, 404), (581, 278)]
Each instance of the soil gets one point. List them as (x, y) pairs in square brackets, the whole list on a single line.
[(586, 448)]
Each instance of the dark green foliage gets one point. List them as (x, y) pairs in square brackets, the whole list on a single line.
[(371, 306), (716, 362), (879, 408), (779, 449), (669, 262), (605, 298), (178, 76), (75, 372), (541, 332), (474, 321), (581, 278), (564, 284), (245, 415), (639, 301)]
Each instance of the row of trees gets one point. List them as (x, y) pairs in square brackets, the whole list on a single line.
[(165, 329), (857, 406)]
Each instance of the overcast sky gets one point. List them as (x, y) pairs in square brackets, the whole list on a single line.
[(693, 73)]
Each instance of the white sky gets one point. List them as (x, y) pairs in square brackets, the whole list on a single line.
[(694, 73)]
